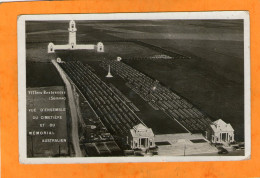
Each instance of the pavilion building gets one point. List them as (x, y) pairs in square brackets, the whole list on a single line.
[(220, 132), (141, 137)]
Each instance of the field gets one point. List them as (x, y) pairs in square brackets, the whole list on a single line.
[(212, 79), (42, 75)]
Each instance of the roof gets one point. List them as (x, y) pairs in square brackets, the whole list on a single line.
[(221, 126), (141, 130), (140, 127)]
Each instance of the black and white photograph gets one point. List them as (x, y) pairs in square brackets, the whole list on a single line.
[(134, 87)]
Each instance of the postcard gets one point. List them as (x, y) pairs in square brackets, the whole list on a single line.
[(134, 87)]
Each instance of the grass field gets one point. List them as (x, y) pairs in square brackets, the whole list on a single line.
[(42, 75)]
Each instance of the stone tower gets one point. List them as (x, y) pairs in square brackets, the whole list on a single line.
[(72, 44), (72, 34)]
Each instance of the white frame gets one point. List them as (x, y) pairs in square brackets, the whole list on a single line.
[(130, 16)]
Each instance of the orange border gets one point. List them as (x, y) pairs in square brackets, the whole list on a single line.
[(9, 92)]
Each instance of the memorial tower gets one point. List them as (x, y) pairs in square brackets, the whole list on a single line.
[(72, 43), (72, 34)]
